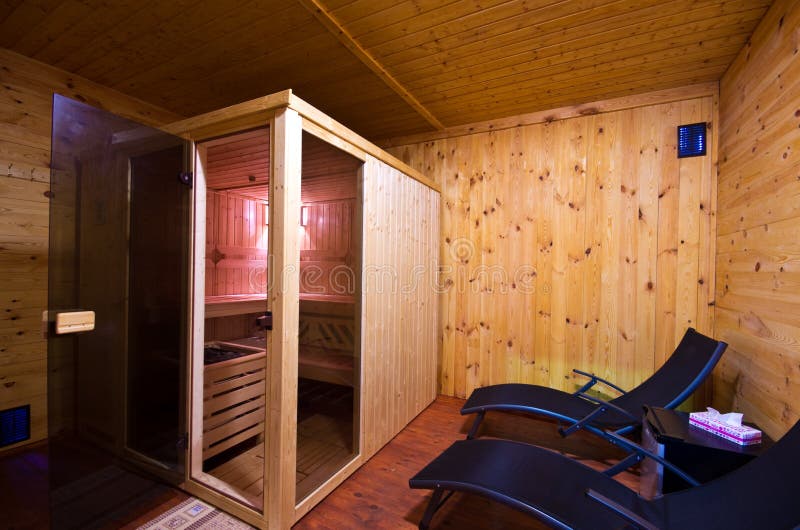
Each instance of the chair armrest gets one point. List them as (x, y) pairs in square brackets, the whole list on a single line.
[(593, 379), (609, 405), (620, 510), (603, 406), (624, 443), (581, 422)]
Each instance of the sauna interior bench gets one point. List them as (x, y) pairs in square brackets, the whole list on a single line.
[(314, 362), (242, 304)]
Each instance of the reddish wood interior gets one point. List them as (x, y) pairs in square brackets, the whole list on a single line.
[(237, 216)]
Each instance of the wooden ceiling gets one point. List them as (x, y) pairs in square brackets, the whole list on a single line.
[(385, 67), (240, 164)]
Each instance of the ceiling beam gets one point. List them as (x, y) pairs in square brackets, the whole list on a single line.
[(329, 21)]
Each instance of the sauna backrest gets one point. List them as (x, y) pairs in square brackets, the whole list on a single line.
[(327, 331)]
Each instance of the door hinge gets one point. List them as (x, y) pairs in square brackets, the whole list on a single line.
[(186, 178)]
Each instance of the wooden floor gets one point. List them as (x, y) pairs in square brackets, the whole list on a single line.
[(24, 495), (244, 474), (323, 447), (377, 496), (23, 486), (324, 444)]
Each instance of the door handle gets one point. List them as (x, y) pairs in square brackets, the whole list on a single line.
[(74, 322), (265, 321)]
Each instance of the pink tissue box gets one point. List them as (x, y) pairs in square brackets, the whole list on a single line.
[(740, 434)]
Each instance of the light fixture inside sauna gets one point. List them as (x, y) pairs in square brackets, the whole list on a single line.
[(304, 216)]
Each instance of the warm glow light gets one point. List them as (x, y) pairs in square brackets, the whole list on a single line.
[(304, 216)]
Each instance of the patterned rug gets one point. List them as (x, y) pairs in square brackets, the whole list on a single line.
[(193, 514)]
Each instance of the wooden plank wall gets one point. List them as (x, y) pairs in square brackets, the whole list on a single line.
[(578, 242), (758, 261), (399, 315), (326, 251), (27, 88), (236, 244), (328, 190)]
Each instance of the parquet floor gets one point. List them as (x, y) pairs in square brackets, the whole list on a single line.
[(377, 496)]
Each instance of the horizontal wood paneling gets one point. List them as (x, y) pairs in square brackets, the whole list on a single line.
[(25, 113), (758, 292), (240, 163), (328, 173), (400, 304), (575, 243)]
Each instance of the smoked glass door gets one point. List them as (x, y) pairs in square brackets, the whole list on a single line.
[(117, 314)]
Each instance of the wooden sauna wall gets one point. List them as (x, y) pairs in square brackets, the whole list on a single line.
[(571, 243), (236, 244), (236, 258), (400, 302), (758, 261), (328, 191), (25, 122)]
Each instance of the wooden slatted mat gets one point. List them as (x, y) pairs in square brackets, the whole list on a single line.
[(245, 473), (324, 444)]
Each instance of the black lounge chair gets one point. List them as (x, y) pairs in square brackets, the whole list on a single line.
[(690, 363), (565, 493)]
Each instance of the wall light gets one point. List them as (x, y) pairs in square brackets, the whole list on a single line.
[(304, 216), (692, 140)]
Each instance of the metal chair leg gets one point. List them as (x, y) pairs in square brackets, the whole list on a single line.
[(623, 464), (433, 505), (474, 429)]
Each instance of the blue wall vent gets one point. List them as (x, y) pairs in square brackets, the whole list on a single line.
[(692, 140), (15, 425)]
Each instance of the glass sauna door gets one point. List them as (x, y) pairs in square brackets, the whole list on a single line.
[(119, 249), (230, 359), (329, 375)]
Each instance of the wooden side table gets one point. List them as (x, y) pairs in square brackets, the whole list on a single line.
[(699, 453)]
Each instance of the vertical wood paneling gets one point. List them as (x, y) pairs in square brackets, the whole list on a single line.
[(25, 122), (399, 319), (758, 243), (236, 245), (688, 230), (542, 235), (586, 217), (646, 186), (667, 245)]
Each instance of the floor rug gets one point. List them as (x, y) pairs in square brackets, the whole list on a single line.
[(193, 514)]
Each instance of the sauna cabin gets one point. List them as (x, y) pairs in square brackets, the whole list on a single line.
[(230, 278), (236, 273), (266, 329)]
